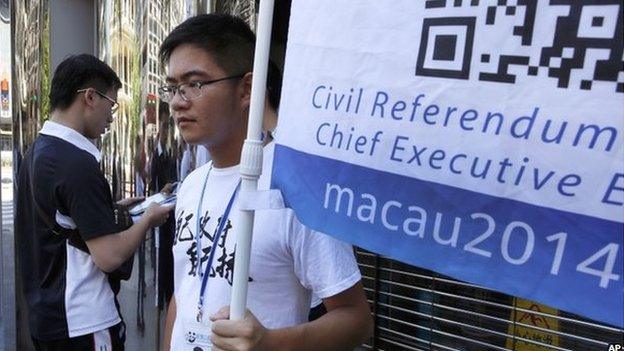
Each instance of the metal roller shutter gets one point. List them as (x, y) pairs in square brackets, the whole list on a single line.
[(416, 309)]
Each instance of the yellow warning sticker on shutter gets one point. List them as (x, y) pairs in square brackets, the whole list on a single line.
[(525, 319)]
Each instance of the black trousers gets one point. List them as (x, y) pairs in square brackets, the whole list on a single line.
[(111, 339)]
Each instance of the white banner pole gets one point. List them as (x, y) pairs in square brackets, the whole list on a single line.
[(251, 158)]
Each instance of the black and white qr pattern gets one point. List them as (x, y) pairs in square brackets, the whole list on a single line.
[(575, 43)]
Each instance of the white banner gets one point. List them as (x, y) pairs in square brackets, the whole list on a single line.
[(487, 133)]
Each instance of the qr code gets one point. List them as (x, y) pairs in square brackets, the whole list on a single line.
[(575, 43)]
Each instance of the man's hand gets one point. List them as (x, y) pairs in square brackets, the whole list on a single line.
[(244, 335), (157, 215), (130, 201)]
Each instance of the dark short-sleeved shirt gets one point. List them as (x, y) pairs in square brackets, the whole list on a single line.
[(61, 185)]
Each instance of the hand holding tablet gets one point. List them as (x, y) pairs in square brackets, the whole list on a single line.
[(160, 199)]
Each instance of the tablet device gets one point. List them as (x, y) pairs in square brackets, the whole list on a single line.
[(160, 198)]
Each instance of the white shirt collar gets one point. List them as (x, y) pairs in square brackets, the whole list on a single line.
[(71, 136)]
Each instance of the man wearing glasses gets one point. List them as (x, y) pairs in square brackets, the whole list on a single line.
[(209, 59), (114, 104), (67, 237)]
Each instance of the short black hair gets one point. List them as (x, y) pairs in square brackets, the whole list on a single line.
[(80, 72), (228, 40), (274, 84)]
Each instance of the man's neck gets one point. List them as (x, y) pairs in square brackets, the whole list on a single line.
[(65, 118), (227, 154)]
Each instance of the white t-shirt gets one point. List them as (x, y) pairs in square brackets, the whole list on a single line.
[(288, 262)]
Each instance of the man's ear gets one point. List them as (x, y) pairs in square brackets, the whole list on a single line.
[(246, 89), (88, 97)]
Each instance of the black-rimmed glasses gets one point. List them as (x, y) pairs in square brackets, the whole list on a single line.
[(189, 91), (114, 103)]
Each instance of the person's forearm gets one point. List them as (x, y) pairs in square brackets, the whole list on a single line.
[(340, 329), (130, 239), (117, 248), (171, 316)]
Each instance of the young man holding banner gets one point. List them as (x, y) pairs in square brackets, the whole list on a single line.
[(209, 60)]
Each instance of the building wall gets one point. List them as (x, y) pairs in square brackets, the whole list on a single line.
[(81, 15), (30, 64)]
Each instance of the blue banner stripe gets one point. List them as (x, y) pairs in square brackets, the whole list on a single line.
[(523, 250)]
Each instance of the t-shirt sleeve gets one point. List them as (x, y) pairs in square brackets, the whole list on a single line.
[(88, 199), (323, 264)]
